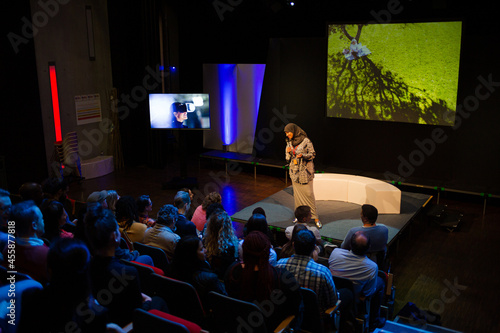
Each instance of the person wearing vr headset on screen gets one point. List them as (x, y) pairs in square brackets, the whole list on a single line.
[(180, 110)]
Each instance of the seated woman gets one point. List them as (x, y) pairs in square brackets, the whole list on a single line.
[(256, 280), (111, 200), (144, 207), (199, 217), (189, 264), (258, 222), (220, 242), (126, 216), (54, 218)]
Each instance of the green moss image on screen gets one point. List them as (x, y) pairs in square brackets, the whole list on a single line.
[(396, 72)]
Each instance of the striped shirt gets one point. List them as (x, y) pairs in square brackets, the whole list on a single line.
[(310, 274)]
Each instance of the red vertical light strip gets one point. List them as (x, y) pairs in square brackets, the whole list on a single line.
[(55, 102)]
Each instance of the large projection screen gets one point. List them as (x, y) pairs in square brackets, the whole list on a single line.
[(402, 72)]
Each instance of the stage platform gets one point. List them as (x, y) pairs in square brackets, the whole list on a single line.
[(337, 216)]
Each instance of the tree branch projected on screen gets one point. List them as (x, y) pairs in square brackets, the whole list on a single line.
[(394, 72)]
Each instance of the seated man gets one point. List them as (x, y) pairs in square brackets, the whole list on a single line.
[(378, 234), (303, 216), (184, 227), (114, 284), (316, 277), (162, 235), (354, 265), (31, 252)]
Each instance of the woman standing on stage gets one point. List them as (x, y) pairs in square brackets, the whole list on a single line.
[(300, 154)]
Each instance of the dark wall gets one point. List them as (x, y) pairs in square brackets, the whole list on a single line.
[(21, 131)]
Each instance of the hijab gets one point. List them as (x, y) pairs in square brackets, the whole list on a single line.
[(298, 133)]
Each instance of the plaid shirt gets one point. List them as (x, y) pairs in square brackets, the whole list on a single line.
[(310, 274)]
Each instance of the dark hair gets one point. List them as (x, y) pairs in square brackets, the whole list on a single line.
[(287, 250), (304, 242), (31, 191), (185, 261), (259, 210), (181, 198), (360, 243), (210, 198), (212, 208), (256, 247), (257, 222), (24, 213), (301, 212), (53, 185), (167, 215), (126, 211), (52, 211), (99, 225), (142, 202), (370, 213)]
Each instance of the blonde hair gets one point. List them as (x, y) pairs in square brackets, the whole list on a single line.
[(111, 200)]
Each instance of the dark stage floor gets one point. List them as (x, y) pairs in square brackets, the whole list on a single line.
[(337, 216)]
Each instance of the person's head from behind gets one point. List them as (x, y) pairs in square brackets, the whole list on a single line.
[(189, 255), (259, 210), (213, 208), (179, 110), (369, 214), (167, 216), (188, 190), (256, 249), (219, 236), (303, 214), (211, 198), (257, 222), (101, 228), (304, 243), (296, 228), (54, 217), (100, 197), (28, 219), (360, 243), (144, 204), (68, 262), (55, 188), (5, 207), (182, 201), (111, 199), (31, 191), (126, 211)]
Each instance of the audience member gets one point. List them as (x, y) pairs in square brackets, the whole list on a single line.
[(258, 222), (119, 282), (354, 265), (67, 300), (190, 264), (144, 208), (378, 234), (31, 191), (162, 235), (288, 250), (126, 215), (100, 197), (303, 216), (111, 200), (257, 281), (200, 214), (316, 277), (220, 242), (31, 252), (192, 207), (184, 227), (54, 218), (57, 189)]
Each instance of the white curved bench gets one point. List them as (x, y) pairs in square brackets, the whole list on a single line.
[(357, 189)]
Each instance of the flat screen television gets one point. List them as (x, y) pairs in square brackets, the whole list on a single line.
[(403, 72), (179, 111)]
